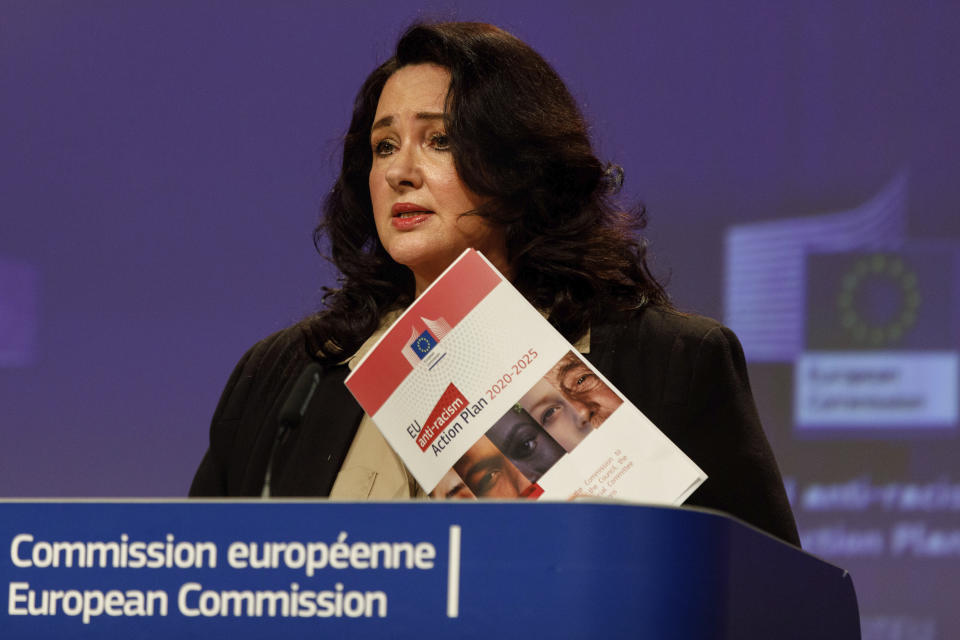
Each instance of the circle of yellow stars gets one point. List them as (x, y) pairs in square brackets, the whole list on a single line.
[(893, 269)]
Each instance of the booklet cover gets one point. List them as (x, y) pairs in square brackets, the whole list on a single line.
[(481, 397)]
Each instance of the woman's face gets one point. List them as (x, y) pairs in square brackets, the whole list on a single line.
[(566, 423), (417, 195)]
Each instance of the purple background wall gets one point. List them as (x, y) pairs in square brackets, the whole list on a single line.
[(162, 165)]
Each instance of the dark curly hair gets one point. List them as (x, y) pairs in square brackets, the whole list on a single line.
[(519, 140)]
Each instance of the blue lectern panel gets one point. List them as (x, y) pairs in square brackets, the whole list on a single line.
[(302, 568)]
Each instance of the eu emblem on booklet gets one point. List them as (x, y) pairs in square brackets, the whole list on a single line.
[(481, 397)]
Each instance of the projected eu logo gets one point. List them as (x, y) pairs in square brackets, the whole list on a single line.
[(880, 340), (868, 318), (766, 267), (878, 300)]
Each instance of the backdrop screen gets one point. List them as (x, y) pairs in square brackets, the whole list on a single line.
[(162, 166)]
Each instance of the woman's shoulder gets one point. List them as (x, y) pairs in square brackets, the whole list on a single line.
[(655, 326), (266, 366), (299, 341), (277, 348), (671, 322), (688, 375), (248, 406), (661, 354)]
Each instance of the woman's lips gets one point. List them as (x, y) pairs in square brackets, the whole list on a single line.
[(407, 215)]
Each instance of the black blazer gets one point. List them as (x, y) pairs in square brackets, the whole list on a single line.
[(686, 373)]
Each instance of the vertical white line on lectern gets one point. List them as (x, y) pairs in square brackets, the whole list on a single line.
[(453, 573)]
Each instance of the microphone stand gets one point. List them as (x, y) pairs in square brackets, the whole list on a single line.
[(291, 414)]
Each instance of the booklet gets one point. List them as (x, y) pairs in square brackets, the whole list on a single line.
[(481, 397)]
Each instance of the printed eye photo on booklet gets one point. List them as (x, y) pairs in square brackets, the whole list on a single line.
[(482, 398)]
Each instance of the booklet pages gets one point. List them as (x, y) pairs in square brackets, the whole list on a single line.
[(481, 397)]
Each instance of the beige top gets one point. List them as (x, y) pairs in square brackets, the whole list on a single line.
[(371, 469)]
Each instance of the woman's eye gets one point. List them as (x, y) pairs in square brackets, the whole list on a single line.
[(549, 415), (489, 480), (523, 448), (383, 148), (440, 142), (584, 381)]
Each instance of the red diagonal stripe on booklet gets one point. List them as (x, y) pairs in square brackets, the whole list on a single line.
[(448, 406), (450, 298)]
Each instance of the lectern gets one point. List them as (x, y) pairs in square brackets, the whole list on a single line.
[(318, 569)]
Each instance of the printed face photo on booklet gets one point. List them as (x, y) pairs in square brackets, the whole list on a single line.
[(584, 389), (570, 401), (488, 473), (452, 487), (506, 462), (525, 443)]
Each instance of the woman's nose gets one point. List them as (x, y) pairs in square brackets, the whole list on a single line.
[(405, 172)]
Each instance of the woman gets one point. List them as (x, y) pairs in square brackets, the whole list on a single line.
[(467, 138)]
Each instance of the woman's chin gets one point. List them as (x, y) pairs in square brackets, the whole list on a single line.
[(425, 265)]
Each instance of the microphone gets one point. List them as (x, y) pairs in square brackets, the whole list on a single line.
[(292, 412)]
